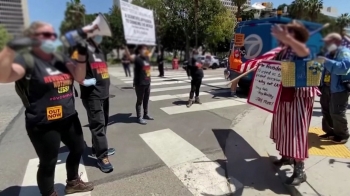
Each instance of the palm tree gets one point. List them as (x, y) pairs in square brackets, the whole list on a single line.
[(297, 9), (314, 8), (343, 21), (239, 4), (74, 16)]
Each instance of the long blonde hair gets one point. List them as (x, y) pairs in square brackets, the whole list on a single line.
[(30, 31)]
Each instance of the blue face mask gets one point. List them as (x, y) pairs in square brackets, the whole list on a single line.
[(98, 39), (89, 82), (47, 46)]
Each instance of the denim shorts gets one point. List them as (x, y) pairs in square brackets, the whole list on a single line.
[(233, 74)]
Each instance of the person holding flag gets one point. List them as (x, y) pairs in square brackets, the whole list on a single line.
[(290, 123)]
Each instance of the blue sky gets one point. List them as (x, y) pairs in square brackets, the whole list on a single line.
[(52, 11)]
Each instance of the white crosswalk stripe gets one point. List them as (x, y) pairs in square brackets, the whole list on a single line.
[(175, 84)]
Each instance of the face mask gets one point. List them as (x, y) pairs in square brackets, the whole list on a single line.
[(89, 82), (332, 48), (98, 39), (48, 46)]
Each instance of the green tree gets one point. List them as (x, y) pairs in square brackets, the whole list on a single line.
[(4, 37), (74, 16), (297, 9), (282, 6), (314, 8), (239, 4), (342, 21)]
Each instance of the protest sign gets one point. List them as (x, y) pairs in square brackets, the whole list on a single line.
[(138, 24), (266, 86)]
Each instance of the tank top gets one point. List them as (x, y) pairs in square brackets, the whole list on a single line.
[(50, 92)]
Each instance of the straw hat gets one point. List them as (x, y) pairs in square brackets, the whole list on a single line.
[(301, 33)]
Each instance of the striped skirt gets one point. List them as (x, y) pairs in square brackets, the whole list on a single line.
[(290, 126)]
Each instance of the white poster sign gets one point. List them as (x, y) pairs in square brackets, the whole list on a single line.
[(138, 24), (266, 86)]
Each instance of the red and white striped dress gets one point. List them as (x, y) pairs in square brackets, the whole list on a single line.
[(291, 122)]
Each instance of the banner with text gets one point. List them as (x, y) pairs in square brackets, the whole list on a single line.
[(138, 24), (266, 87)]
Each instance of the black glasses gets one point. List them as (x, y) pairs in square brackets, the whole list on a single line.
[(47, 34)]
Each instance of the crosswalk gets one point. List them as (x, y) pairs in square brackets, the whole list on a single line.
[(176, 86), (191, 166)]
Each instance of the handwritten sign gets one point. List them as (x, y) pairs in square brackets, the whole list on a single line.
[(138, 24), (239, 39), (266, 87)]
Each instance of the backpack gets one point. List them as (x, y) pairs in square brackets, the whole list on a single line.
[(22, 85)]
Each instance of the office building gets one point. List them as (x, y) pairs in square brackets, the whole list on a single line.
[(14, 15), (330, 11), (229, 5)]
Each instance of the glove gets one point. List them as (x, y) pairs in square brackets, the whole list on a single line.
[(22, 43), (89, 82), (82, 48)]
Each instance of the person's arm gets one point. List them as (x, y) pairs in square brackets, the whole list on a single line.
[(338, 67), (128, 55), (10, 71), (300, 49), (151, 53), (78, 68)]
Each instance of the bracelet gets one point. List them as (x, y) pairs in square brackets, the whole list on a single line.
[(80, 61)]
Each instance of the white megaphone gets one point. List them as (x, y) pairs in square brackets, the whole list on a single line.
[(99, 26)]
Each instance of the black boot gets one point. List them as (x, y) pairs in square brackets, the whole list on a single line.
[(299, 175), (283, 161)]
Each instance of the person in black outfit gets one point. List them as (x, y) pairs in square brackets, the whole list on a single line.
[(195, 70), (44, 82), (160, 61), (126, 65), (142, 82), (95, 99)]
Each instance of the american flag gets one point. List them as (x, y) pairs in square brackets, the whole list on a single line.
[(250, 64), (345, 42)]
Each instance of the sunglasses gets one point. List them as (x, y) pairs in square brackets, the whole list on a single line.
[(47, 34)]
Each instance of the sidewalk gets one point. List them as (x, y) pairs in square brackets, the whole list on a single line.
[(327, 168)]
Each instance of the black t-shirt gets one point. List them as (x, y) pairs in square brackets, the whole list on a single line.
[(50, 91), (193, 70), (142, 71), (96, 68)]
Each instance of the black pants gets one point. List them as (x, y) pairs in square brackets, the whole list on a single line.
[(98, 112), (127, 70), (46, 140), (338, 107), (161, 69), (325, 101), (195, 87), (142, 95)]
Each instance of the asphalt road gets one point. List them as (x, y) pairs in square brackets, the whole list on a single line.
[(153, 159)]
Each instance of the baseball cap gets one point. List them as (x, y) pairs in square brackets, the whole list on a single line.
[(332, 36)]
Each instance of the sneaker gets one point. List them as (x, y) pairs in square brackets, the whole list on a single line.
[(327, 136), (105, 165), (141, 121), (197, 101), (78, 186), (111, 151), (189, 103), (146, 117), (233, 94), (339, 140)]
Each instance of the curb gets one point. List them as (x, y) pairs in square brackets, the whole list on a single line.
[(260, 141)]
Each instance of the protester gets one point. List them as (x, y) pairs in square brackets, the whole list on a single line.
[(234, 70), (195, 70), (290, 123), (142, 81), (337, 66), (44, 82), (126, 65), (95, 98), (160, 61)]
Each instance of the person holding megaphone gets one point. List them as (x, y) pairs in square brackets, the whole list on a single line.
[(94, 89), (44, 82)]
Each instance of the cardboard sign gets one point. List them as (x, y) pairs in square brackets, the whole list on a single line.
[(266, 86), (138, 24), (54, 113), (239, 39)]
